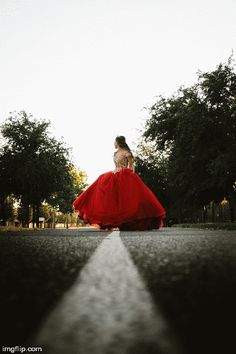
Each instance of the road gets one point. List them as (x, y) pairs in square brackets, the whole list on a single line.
[(168, 291)]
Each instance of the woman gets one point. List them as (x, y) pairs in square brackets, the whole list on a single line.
[(119, 198)]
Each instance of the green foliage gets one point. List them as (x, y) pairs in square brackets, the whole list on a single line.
[(34, 166), (196, 129), (64, 198), (7, 210), (152, 168)]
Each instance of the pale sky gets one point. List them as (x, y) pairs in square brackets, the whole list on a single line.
[(90, 66)]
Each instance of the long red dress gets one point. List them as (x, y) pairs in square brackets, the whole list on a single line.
[(120, 199)]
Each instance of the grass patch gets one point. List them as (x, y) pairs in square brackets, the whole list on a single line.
[(214, 226), (12, 229)]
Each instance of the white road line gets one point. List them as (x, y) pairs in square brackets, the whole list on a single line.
[(108, 310)]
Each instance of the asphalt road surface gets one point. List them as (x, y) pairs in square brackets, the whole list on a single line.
[(168, 291)]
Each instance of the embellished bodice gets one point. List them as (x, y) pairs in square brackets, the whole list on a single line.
[(123, 159)]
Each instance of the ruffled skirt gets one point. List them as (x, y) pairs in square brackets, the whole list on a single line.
[(120, 200)]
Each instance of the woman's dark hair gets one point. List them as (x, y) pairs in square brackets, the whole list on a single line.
[(122, 143)]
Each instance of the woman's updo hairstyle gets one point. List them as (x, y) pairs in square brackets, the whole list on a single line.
[(122, 143)]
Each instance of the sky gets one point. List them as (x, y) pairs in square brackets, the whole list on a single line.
[(91, 66)]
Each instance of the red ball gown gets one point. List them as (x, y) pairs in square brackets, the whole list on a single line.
[(120, 199)]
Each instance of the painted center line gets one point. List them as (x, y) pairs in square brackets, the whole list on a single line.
[(107, 310)]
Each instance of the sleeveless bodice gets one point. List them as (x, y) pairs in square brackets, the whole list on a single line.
[(122, 159)]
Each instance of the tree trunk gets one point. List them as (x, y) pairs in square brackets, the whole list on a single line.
[(67, 225), (3, 210), (221, 213), (34, 215), (53, 219), (213, 211), (37, 215), (26, 213), (232, 207), (204, 210)]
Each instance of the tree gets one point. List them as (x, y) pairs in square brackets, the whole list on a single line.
[(7, 210), (152, 168), (219, 91), (64, 198), (33, 165), (196, 129)]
